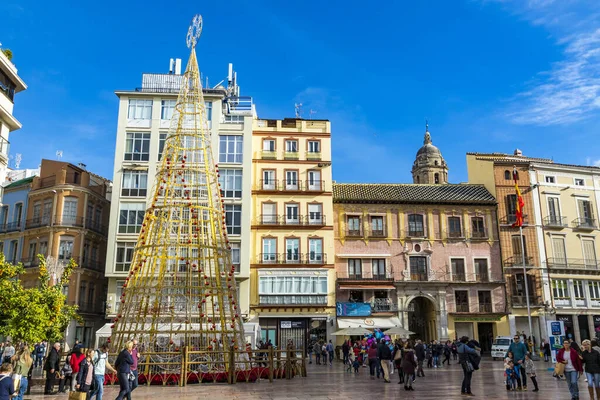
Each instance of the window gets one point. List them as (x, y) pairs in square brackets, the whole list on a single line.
[(235, 256), (131, 217), (458, 269), (594, 287), (139, 109), (436, 177), (356, 296), (560, 289), (137, 146), (269, 250), (511, 208), (554, 211), (162, 137), (314, 180), (507, 175), (268, 181), (354, 268), (586, 216), (418, 268), (589, 254), (315, 214), (292, 250), (461, 297), (231, 148), (559, 251), (43, 247), (481, 270), (454, 228), (65, 248), (377, 226), (69, 215), (315, 251), (578, 290), (208, 109), (37, 212), (291, 214), (517, 250), (269, 213), (233, 218), (231, 183), (291, 180), (4, 215), (353, 225), (18, 214), (82, 290), (98, 217), (579, 182), (124, 256), (415, 225), (477, 227), (268, 145), (47, 212), (314, 146), (550, 179), (297, 289), (167, 108), (485, 301), (135, 183), (118, 294), (291, 146), (31, 255), (378, 268)]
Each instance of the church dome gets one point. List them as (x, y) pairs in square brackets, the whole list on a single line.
[(429, 166), (429, 150)]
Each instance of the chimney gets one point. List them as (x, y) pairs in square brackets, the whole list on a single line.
[(518, 152), (81, 165)]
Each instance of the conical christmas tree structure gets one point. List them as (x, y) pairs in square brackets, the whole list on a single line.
[(181, 289)]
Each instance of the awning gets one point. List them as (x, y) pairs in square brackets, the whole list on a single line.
[(381, 287), (369, 322)]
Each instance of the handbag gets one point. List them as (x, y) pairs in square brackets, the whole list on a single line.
[(559, 369), (131, 376), (16, 381), (398, 355), (77, 396)]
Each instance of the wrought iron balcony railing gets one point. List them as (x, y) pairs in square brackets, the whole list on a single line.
[(521, 301), (288, 185), (351, 232), (459, 277), (584, 223), (555, 221), (383, 305), (455, 234), (485, 308), (302, 220), (478, 235), (511, 219), (517, 261), (37, 222), (462, 307), (378, 232), (418, 277), (484, 277), (279, 299), (67, 220), (292, 258), (572, 263), (346, 278), (95, 226)]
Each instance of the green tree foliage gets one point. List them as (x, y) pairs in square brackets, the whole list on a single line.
[(34, 314), (8, 53)]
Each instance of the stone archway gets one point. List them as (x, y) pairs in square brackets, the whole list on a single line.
[(422, 319)]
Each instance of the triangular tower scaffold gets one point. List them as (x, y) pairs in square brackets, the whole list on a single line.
[(181, 288)]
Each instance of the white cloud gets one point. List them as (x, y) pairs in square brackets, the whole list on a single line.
[(569, 90)]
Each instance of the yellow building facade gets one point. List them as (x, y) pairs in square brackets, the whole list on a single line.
[(292, 276)]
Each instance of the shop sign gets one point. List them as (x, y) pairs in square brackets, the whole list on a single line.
[(567, 319), (353, 309), (478, 319), (291, 324)]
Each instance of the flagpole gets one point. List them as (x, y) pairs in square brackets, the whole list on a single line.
[(525, 280)]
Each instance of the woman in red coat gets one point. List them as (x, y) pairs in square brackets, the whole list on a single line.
[(76, 359), (573, 367)]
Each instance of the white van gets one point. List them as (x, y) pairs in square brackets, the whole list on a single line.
[(500, 347)]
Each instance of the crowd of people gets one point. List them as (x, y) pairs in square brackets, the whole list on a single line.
[(81, 371)]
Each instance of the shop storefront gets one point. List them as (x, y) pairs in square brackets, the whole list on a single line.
[(482, 328), (301, 331)]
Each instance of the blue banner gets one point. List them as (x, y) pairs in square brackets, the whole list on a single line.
[(353, 309)]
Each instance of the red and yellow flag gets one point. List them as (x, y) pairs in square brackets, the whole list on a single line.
[(520, 202)]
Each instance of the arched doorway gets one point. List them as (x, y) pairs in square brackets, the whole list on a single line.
[(422, 319)]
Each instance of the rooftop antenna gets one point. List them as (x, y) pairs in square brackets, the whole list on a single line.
[(311, 113), (18, 158), (298, 108), (59, 154)]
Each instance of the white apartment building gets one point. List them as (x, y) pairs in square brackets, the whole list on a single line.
[(10, 84), (143, 125)]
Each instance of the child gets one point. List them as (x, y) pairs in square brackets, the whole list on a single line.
[(66, 374), (530, 369), (351, 359), (509, 372), (7, 388), (356, 365)]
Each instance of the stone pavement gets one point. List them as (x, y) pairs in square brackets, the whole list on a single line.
[(324, 382)]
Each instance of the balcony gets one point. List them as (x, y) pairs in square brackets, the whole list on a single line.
[(269, 185), (89, 263), (315, 185), (286, 185), (37, 222), (584, 224), (572, 263), (297, 220), (300, 300), (462, 307), (511, 219), (30, 262), (482, 278), (354, 232), (362, 279), (422, 277), (521, 301), (415, 233), (459, 277), (11, 227), (67, 220), (555, 221), (293, 259), (268, 155), (95, 226), (383, 305), (455, 235), (313, 156), (517, 262), (291, 155), (4, 147), (485, 308)]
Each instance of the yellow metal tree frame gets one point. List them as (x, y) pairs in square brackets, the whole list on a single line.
[(181, 288)]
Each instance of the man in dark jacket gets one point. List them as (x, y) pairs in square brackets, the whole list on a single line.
[(345, 351), (51, 367), (384, 353), (420, 353)]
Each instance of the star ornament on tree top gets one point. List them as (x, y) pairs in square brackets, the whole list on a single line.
[(194, 31)]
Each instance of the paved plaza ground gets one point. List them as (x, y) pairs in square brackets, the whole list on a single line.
[(334, 383)]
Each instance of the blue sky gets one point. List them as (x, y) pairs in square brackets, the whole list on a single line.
[(489, 75)]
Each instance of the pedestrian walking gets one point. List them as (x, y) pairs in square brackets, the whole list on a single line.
[(373, 364), (85, 377), (591, 361), (409, 364), (573, 368), (51, 367), (420, 353), (23, 363), (329, 349), (123, 365), (101, 365), (519, 350), (464, 357), (530, 368), (385, 355)]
